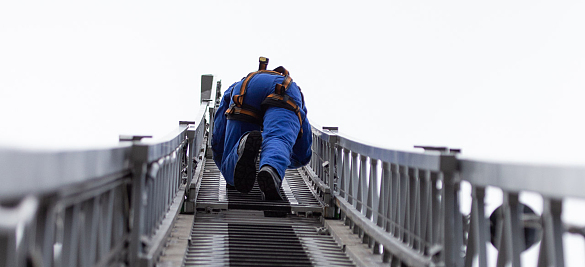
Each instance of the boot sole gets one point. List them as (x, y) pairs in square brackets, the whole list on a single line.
[(268, 187), (245, 172)]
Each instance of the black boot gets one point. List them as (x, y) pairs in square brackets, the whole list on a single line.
[(245, 171), (269, 183)]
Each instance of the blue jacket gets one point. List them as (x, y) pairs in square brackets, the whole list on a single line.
[(259, 87)]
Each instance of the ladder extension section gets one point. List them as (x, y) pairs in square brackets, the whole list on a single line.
[(242, 230)]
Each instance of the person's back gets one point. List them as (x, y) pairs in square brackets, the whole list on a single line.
[(266, 111)]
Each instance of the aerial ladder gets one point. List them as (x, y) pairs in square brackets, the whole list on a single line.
[(163, 202)]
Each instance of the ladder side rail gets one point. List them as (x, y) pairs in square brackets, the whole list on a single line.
[(64, 208), (387, 197), (322, 168), (97, 206), (554, 184), (161, 195)]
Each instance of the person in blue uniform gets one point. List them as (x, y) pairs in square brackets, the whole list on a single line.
[(267, 117)]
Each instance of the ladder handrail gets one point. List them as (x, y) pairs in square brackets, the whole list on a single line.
[(416, 200), (98, 206)]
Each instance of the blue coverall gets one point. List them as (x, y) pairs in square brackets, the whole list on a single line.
[(282, 147)]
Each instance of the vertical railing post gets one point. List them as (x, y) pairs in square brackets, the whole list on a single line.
[(347, 174), (452, 232), (551, 248), (403, 204), (333, 163), (209, 127), (339, 171), (361, 184), (384, 217), (478, 229), (514, 231), (331, 171), (451, 213), (394, 207), (139, 170), (556, 209), (353, 178), (372, 199), (211, 112), (191, 142), (188, 205)]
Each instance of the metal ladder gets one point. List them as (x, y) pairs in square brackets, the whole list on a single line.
[(241, 230)]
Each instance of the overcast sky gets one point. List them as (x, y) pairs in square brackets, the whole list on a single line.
[(499, 79)]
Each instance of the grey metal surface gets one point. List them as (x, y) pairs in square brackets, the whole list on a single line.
[(550, 181), (553, 183), (177, 243), (431, 160), (25, 172), (21, 215), (354, 247), (206, 85), (81, 225), (247, 238), (110, 206), (215, 195), (388, 197), (414, 207), (162, 174)]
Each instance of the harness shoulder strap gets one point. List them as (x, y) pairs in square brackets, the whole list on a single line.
[(240, 111), (280, 99)]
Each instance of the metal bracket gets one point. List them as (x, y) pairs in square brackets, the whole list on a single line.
[(333, 129), (124, 138)]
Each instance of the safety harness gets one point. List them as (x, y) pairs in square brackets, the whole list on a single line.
[(244, 112)]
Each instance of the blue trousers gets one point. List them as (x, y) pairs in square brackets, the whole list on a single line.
[(282, 146)]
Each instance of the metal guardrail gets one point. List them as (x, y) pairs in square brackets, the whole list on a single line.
[(388, 197), (103, 207), (116, 205), (553, 183), (406, 205), (82, 211)]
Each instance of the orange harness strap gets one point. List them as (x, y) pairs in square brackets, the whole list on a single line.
[(281, 102), (240, 111), (281, 99)]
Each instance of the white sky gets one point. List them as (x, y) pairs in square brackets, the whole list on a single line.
[(500, 79)]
